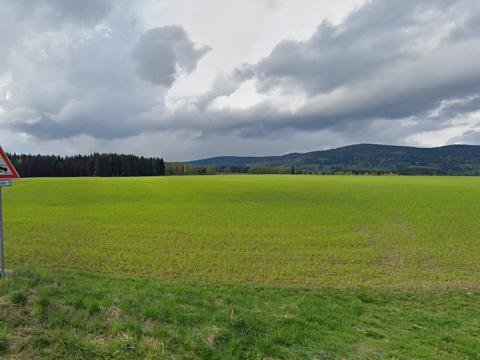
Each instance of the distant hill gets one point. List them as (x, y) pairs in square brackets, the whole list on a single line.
[(368, 158)]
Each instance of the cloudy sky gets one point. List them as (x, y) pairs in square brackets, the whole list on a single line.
[(186, 79)]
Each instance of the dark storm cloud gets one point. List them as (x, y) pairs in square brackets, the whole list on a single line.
[(381, 33), (160, 52), (96, 74), (389, 59)]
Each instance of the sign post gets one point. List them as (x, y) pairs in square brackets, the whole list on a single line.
[(7, 173), (2, 255)]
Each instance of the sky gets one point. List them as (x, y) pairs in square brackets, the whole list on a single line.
[(188, 79)]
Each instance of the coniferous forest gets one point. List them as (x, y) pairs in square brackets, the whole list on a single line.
[(87, 165)]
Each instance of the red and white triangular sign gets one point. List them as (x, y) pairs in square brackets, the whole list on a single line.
[(7, 171)]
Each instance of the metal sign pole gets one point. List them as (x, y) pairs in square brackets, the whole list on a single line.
[(2, 255)]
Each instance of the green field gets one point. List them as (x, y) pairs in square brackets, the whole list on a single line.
[(261, 267), (304, 230)]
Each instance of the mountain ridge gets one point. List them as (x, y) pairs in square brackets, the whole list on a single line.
[(456, 159)]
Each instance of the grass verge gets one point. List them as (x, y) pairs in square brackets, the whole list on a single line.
[(66, 314)]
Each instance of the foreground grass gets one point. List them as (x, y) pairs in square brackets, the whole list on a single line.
[(304, 230), (66, 314)]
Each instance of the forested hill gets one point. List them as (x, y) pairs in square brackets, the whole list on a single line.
[(368, 158)]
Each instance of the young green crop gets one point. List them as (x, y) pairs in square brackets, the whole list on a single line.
[(303, 230)]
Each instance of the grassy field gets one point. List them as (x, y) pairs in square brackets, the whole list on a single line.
[(305, 230), (67, 314), (252, 267)]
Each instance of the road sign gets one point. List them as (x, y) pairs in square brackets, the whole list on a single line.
[(7, 171), (5, 182)]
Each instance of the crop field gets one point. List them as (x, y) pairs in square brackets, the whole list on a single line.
[(242, 267), (300, 230)]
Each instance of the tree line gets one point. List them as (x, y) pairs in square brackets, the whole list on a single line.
[(123, 165), (87, 165), (107, 165), (190, 169)]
